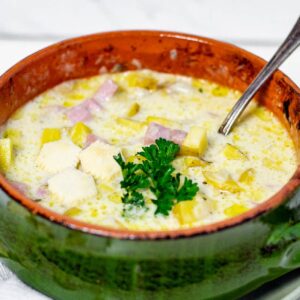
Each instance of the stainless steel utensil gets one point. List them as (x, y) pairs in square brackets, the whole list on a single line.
[(288, 46)]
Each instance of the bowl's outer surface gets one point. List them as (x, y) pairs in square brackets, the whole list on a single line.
[(199, 264)]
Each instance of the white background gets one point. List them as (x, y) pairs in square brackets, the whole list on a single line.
[(28, 25)]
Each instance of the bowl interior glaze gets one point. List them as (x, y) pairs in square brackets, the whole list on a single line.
[(168, 52)]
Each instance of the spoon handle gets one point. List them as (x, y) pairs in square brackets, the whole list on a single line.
[(285, 50)]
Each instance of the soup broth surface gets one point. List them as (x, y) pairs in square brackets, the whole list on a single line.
[(58, 149)]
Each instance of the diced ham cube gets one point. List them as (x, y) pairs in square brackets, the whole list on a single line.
[(42, 192), (92, 105), (83, 111), (79, 113), (106, 91), (20, 186), (91, 138), (178, 136), (156, 131)]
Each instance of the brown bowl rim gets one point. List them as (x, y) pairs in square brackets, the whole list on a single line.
[(103, 231)]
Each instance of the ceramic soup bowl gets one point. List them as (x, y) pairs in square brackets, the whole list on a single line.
[(67, 259)]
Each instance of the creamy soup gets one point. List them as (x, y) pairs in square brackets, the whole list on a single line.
[(76, 149)]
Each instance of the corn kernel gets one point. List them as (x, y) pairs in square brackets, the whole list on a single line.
[(185, 212), (131, 124), (94, 213), (79, 133), (262, 113), (220, 91), (45, 99), (72, 212), (69, 103), (14, 135), (50, 135), (6, 153), (75, 96), (141, 81), (256, 195), (160, 120), (235, 209), (192, 161), (226, 184), (82, 84), (106, 188), (133, 110), (236, 137), (272, 164), (17, 115), (115, 197), (247, 176), (197, 84)]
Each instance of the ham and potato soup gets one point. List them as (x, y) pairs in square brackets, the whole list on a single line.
[(76, 149)]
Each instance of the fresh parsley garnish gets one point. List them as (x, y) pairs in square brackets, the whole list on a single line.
[(156, 173)]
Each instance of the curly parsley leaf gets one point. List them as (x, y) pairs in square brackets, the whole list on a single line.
[(157, 174), (132, 178), (134, 198), (161, 153)]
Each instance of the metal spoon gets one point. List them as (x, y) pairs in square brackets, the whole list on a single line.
[(285, 50)]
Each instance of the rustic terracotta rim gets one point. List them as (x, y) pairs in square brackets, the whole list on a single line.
[(98, 230)]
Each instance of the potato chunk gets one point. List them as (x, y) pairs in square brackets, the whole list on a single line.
[(184, 212), (79, 133), (235, 210), (130, 124), (6, 153), (221, 183), (195, 143), (50, 135)]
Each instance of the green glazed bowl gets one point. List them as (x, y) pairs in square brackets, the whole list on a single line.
[(67, 259)]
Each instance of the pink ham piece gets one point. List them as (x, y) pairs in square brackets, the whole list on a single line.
[(156, 131), (54, 108), (91, 138), (106, 91), (83, 111), (92, 105), (178, 136), (42, 192), (20, 186), (79, 113)]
